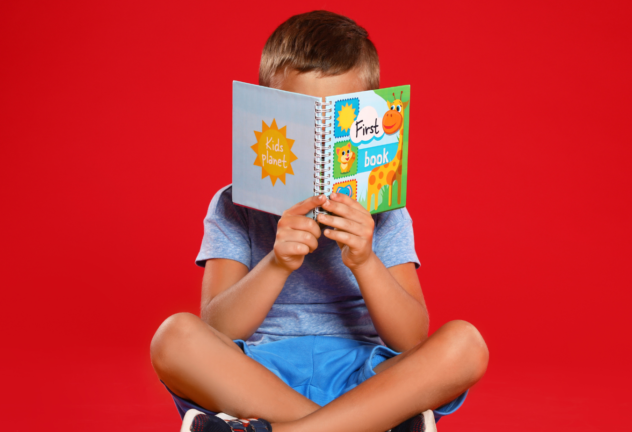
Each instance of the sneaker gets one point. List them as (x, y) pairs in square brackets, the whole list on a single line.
[(424, 422), (197, 421)]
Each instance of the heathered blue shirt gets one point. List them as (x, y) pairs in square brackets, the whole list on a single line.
[(322, 297)]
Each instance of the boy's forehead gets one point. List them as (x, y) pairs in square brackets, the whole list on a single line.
[(315, 84)]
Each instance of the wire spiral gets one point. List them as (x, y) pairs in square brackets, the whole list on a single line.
[(322, 150)]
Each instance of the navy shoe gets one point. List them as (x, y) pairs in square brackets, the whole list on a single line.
[(197, 421), (423, 422)]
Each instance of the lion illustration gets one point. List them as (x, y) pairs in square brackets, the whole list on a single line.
[(345, 157)]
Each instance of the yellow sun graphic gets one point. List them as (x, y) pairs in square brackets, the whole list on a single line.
[(346, 115), (274, 152)]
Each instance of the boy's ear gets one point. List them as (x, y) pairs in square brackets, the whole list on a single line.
[(406, 104)]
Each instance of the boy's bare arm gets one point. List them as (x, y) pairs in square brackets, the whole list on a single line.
[(236, 301), (394, 299), (392, 296)]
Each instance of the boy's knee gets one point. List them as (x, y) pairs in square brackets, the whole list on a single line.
[(175, 331), (466, 345)]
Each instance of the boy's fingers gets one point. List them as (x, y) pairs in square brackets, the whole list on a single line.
[(344, 224), (289, 249), (346, 199), (302, 208), (294, 236), (345, 211), (300, 223), (353, 241)]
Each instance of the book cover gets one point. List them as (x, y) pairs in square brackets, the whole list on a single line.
[(370, 147), (288, 146)]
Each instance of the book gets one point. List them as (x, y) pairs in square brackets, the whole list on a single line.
[(288, 146)]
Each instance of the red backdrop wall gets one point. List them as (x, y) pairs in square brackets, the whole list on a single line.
[(113, 140)]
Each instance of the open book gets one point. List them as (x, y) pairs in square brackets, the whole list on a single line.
[(288, 146)]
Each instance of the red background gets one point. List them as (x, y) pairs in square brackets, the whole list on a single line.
[(114, 131)]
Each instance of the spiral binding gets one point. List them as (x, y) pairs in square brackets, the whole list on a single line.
[(322, 150)]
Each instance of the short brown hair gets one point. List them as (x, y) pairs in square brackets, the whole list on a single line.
[(319, 41)]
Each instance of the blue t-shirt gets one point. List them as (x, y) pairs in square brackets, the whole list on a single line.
[(322, 297)]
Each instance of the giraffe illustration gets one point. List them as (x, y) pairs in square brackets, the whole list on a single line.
[(392, 122)]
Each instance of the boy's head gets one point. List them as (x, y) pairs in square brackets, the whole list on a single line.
[(319, 44)]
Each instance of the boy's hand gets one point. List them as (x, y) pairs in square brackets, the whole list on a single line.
[(353, 229), (297, 235)]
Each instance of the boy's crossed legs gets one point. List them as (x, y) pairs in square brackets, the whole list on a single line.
[(201, 364)]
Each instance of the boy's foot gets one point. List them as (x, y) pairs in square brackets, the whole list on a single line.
[(197, 421), (423, 422)]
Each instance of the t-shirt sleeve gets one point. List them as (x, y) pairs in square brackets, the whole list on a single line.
[(394, 240), (225, 231)]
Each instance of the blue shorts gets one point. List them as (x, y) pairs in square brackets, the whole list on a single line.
[(320, 368)]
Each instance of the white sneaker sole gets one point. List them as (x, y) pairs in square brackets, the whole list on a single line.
[(429, 421), (187, 421)]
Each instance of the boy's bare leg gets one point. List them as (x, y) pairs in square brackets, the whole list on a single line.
[(201, 364), (423, 378)]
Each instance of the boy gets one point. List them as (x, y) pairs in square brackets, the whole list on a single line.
[(314, 304)]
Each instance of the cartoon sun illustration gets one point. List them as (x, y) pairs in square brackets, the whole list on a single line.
[(274, 152), (346, 116)]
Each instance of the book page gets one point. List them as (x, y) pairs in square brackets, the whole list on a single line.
[(273, 147), (370, 151)]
